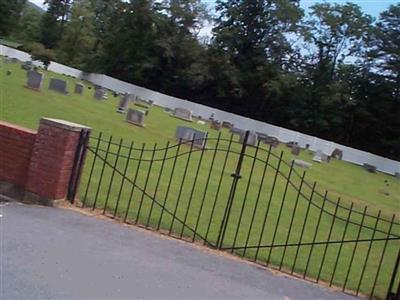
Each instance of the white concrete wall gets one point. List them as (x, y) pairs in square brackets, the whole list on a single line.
[(285, 135)]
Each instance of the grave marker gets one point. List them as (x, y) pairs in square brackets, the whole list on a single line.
[(79, 87), (318, 156), (337, 153), (58, 85), (216, 125), (34, 80), (188, 134), (124, 103), (251, 140), (135, 116), (182, 113), (99, 94)]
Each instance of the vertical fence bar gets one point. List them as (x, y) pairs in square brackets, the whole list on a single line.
[(280, 212), (134, 183), (181, 188), (257, 200), (112, 176), (393, 278), (292, 219), (91, 169), (218, 190), (341, 244), (269, 205), (128, 159), (236, 176), (368, 252), (102, 173), (158, 183), (193, 187), (206, 187), (315, 233), (329, 238), (355, 247), (382, 255), (303, 228), (245, 196), (145, 184), (169, 183)]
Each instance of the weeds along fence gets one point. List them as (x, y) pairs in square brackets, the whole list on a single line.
[(248, 201)]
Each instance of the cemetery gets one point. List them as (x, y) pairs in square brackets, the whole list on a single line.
[(351, 182)]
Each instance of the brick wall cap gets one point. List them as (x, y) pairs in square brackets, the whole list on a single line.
[(66, 125), (14, 126)]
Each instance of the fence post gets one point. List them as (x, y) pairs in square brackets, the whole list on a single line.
[(77, 167), (236, 176), (390, 294)]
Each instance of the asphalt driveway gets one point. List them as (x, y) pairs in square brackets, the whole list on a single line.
[(54, 253)]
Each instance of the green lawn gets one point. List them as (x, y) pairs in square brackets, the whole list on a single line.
[(187, 194)]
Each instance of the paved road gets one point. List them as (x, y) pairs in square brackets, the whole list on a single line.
[(49, 253)]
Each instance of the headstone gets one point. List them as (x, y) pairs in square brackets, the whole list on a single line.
[(251, 140), (295, 150), (124, 103), (58, 85), (27, 66), (369, 168), (226, 124), (301, 163), (216, 125), (34, 80), (188, 134), (238, 131), (262, 136), (273, 141), (291, 144), (79, 87), (99, 94), (318, 156), (182, 113), (212, 116), (337, 153), (325, 158), (135, 116)]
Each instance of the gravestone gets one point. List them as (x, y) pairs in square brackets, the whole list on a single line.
[(135, 116), (325, 158), (34, 80), (262, 136), (58, 85), (236, 130), (182, 113), (79, 87), (216, 125), (295, 150), (337, 153), (251, 140), (302, 164), (369, 168), (124, 103), (318, 156), (188, 134), (227, 124), (27, 66), (291, 144), (273, 141), (99, 94)]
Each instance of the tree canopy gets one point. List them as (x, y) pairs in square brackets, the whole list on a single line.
[(333, 72)]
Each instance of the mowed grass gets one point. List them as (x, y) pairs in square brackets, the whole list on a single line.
[(195, 185)]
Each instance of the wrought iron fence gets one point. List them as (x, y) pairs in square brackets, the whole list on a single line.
[(245, 199)]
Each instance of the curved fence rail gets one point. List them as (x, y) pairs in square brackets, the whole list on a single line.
[(247, 200)]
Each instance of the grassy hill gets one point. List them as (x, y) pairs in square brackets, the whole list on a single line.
[(209, 190)]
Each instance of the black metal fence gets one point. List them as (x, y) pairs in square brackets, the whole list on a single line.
[(249, 201)]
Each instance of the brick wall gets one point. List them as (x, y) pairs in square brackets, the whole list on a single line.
[(39, 162), (16, 144)]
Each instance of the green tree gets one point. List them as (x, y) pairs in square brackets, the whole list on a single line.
[(78, 38), (53, 21), (41, 53), (28, 29), (10, 12)]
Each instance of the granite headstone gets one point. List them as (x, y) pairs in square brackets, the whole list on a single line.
[(135, 116)]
